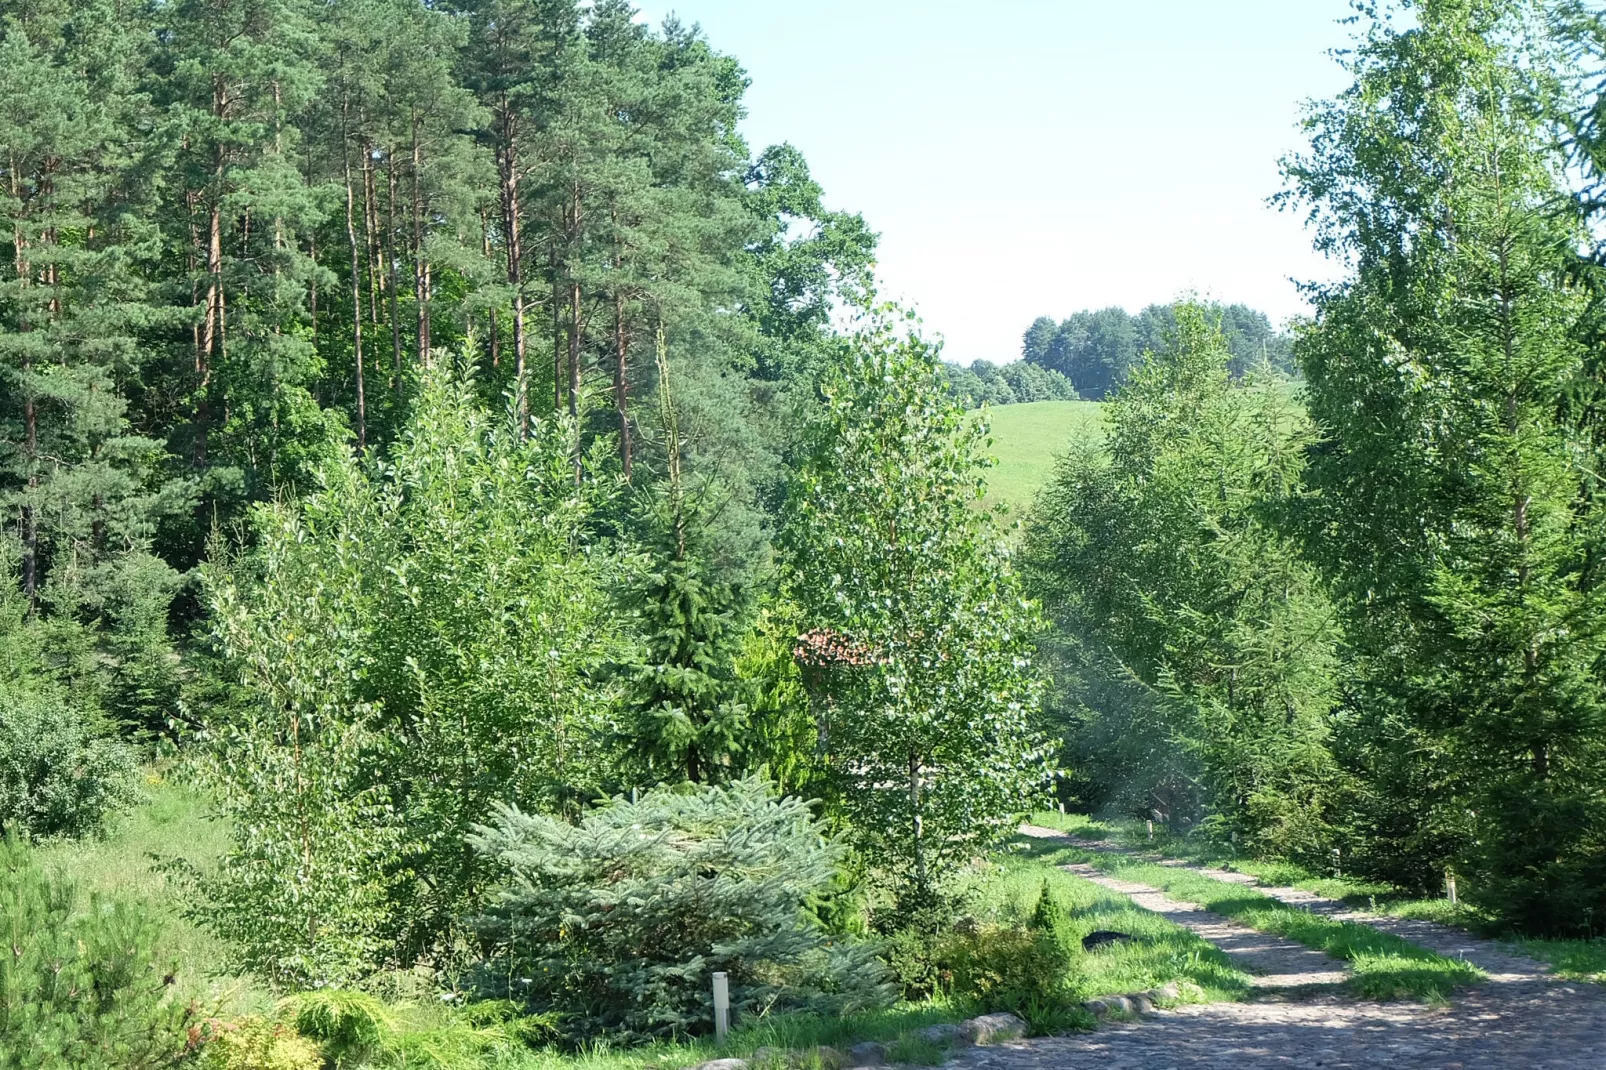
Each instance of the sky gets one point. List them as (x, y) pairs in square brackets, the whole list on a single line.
[(1023, 158)]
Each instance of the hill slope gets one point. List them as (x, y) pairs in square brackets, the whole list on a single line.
[(1027, 440)]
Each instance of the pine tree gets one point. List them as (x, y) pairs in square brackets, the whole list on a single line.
[(85, 491), (232, 79)]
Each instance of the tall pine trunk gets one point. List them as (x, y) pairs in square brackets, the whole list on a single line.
[(370, 222), (30, 417), (420, 268), (356, 278), (621, 379), (390, 263), (508, 158)]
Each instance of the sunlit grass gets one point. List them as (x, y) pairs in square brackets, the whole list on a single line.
[(173, 821), (1027, 441), (1575, 960)]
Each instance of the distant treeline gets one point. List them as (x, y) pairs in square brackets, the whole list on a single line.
[(1096, 349), (986, 383)]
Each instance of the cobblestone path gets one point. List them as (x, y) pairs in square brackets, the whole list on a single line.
[(1521, 1018)]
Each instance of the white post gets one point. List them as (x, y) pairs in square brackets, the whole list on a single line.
[(722, 1007), (1062, 808), (1449, 887), (1151, 831)]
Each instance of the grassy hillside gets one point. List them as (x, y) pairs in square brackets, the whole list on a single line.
[(1027, 439)]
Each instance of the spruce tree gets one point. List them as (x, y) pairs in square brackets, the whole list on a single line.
[(1455, 489)]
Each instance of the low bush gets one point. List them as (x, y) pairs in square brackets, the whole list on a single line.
[(60, 773), (350, 1027), (81, 990), (1026, 971), (617, 923), (257, 1043)]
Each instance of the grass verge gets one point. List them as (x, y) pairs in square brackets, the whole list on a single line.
[(1383, 966), (897, 1028), (1162, 953), (1574, 960)]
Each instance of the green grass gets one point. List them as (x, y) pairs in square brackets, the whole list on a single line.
[(897, 1028), (1576, 960), (1074, 824), (1162, 953), (1383, 966), (1027, 440), (172, 822)]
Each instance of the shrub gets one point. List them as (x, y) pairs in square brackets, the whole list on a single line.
[(80, 990), (617, 923), (1026, 971), (257, 1043), (449, 660), (349, 1026), (59, 775)]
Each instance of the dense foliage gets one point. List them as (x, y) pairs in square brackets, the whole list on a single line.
[(616, 923), (1197, 649), (434, 427), (238, 234), (1097, 349), (1454, 502), (415, 644), (986, 383), (1376, 633), (63, 769)]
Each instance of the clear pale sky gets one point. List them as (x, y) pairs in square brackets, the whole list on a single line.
[(1033, 157)]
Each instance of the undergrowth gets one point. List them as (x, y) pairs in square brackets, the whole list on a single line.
[(173, 821)]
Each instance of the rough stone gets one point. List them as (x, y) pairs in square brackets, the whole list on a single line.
[(832, 1059), (946, 1033), (768, 1057), (722, 1064), (994, 1028), (868, 1053), (1096, 1007)]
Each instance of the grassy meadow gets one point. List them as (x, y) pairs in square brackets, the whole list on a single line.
[(1027, 440)]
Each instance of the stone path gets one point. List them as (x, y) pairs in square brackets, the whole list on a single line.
[(1493, 958), (1521, 1018)]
